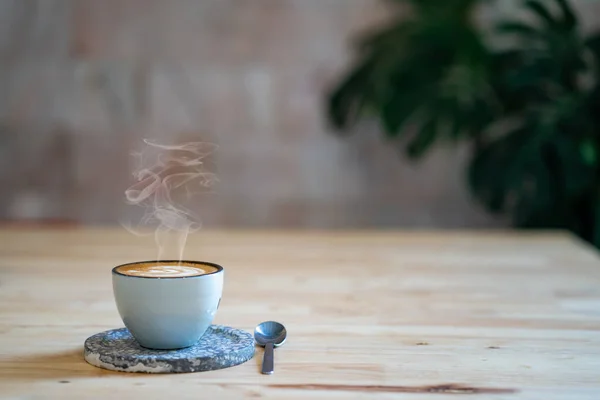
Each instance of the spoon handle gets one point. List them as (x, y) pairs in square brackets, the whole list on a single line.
[(267, 367)]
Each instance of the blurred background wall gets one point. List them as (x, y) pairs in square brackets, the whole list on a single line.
[(83, 81)]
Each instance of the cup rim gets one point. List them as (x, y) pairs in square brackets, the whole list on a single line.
[(217, 266)]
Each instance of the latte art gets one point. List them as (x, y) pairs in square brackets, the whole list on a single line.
[(166, 271), (163, 270)]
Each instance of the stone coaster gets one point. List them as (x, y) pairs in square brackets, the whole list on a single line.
[(220, 347)]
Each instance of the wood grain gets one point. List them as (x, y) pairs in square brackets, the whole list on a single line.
[(419, 315)]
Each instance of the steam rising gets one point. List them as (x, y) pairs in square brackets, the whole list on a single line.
[(165, 173)]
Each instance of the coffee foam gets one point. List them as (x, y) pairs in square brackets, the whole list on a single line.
[(164, 270)]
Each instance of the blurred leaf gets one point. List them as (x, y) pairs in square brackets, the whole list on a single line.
[(389, 38), (399, 109), (588, 153), (539, 9), (348, 100), (578, 175), (423, 141), (570, 20), (593, 44), (518, 28)]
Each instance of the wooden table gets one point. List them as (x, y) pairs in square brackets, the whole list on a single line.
[(369, 314)]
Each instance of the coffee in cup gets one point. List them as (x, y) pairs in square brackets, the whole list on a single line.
[(167, 304)]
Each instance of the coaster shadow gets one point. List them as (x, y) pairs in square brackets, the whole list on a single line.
[(60, 366)]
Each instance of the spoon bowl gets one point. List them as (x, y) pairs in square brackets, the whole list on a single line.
[(269, 334)]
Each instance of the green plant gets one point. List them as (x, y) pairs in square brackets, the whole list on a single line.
[(427, 72), (526, 97)]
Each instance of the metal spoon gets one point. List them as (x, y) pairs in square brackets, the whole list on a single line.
[(269, 334)]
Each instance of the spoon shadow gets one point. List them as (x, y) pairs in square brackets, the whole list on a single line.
[(258, 357)]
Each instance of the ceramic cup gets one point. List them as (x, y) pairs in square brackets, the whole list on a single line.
[(168, 312)]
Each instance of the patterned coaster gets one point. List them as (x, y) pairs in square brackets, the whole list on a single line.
[(220, 347)]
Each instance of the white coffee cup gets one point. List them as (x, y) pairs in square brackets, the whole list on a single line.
[(167, 312)]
